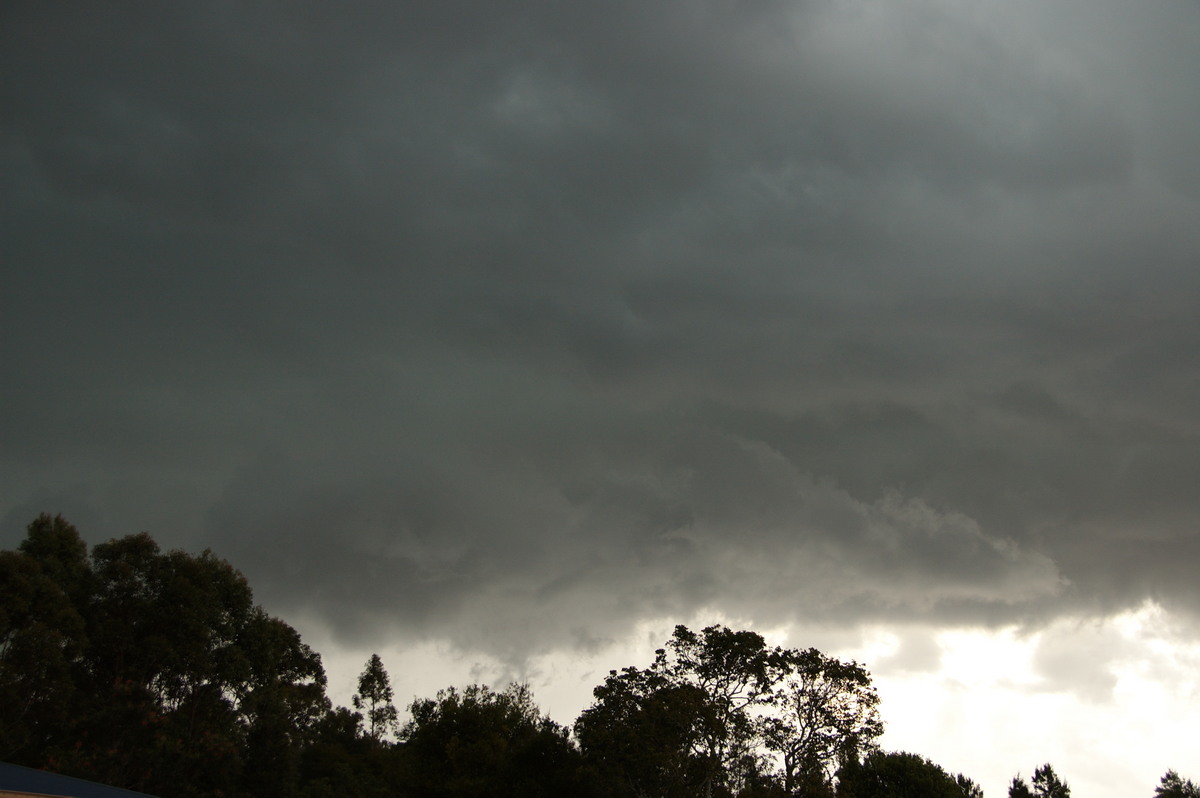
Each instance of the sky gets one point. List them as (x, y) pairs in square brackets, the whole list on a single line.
[(500, 337)]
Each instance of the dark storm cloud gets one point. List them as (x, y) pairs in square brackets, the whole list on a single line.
[(520, 323)]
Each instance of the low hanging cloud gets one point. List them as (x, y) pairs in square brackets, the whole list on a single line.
[(515, 326), (522, 559)]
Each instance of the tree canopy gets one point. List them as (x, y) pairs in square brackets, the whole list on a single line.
[(1046, 784), (148, 670), (900, 775), (1173, 785), (481, 743), (719, 711), (374, 697), (156, 671)]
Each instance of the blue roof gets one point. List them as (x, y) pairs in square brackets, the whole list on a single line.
[(22, 779)]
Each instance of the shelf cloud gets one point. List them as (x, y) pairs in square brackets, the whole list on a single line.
[(517, 324)]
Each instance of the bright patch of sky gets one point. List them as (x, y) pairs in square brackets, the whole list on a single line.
[(988, 703)]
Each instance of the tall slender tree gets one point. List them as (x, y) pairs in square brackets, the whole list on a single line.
[(374, 698)]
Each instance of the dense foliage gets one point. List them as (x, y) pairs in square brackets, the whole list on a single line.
[(1046, 784), (149, 670), (157, 672), (719, 713), (1175, 786)]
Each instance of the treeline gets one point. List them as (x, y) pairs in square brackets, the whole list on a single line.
[(155, 671)]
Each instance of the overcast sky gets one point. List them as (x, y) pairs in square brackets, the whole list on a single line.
[(515, 329)]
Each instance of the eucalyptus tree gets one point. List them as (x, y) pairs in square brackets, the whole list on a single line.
[(825, 712), (149, 670), (1046, 784), (1173, 785), (718, 710), (374, 697)]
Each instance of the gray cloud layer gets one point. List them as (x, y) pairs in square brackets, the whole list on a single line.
[(517, 323)]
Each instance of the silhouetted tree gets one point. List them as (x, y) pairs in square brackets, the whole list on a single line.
[(475, 742), (718, 712), (1046, 784), (735, 673), (896, 775), (166, 674), (341, 762), (644, 735), (284, 701), (41, 639), (824, 712), (1173, 785), (1019, 788), (148, 670), (61, 554), (374, 697), (968, 786), (692, 707)]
